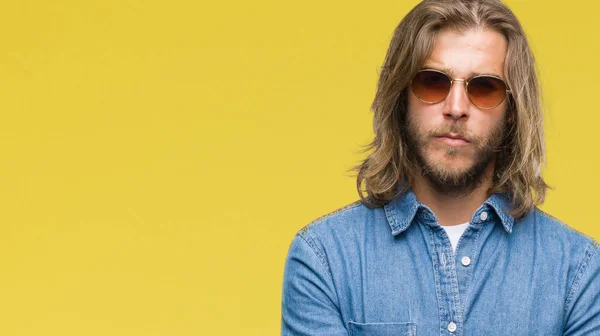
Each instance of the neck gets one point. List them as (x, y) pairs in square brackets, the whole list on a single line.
[(453, 209)]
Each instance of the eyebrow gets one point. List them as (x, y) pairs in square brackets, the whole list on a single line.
[(450, 72)]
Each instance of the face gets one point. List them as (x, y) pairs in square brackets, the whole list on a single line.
[(453, 140)]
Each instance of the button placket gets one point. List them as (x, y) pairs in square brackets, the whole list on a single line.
[(464, 264)]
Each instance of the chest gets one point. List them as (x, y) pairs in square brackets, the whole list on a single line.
[(418, 286)]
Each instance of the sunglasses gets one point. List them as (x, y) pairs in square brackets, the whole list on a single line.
[(484, 91)]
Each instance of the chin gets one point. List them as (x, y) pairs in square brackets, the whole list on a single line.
[(452, 158), (451, 171), (452, 165)]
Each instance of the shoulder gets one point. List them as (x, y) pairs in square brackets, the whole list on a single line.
[(351, 218), (553, 229), (336, 216), (342, 228)]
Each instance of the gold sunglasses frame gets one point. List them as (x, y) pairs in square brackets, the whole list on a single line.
[(466, 81)]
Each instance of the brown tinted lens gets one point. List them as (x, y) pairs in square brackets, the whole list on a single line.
[(431, 86), (486, 92)]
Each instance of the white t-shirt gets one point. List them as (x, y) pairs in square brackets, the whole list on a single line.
[(455, 232)]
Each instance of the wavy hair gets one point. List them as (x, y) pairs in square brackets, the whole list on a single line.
[(521, 156)]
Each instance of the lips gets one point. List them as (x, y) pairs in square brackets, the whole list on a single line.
[(453, 137), (453, 140)]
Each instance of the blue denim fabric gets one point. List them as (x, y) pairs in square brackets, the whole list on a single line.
[(391, 271)]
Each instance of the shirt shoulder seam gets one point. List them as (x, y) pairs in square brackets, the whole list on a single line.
[(317, 251), (308, 239), (590, 251), (323, 261)]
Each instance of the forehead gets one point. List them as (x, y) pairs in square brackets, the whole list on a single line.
[(463, 54)]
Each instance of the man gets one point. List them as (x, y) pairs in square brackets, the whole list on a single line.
[(448, 239)]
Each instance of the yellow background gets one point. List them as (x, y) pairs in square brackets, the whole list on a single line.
[(157, 157)]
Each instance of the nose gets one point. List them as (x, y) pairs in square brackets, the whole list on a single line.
[(457, 102)]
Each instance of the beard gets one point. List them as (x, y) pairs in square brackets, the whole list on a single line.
[(440, 173)]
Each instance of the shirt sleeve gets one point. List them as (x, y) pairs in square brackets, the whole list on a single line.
[(309, 300), (583, 303)]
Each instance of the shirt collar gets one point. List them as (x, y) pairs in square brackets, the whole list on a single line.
[(501, 204), (401, 211)]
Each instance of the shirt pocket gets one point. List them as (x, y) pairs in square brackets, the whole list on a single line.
[(383, 329)]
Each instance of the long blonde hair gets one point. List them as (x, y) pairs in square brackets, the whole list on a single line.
[(521, 157)]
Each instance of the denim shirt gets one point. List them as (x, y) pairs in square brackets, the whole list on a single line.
[(392, 271)]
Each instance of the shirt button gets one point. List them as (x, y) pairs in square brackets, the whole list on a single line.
[(483, 216), (451, 327), (466, 261)]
